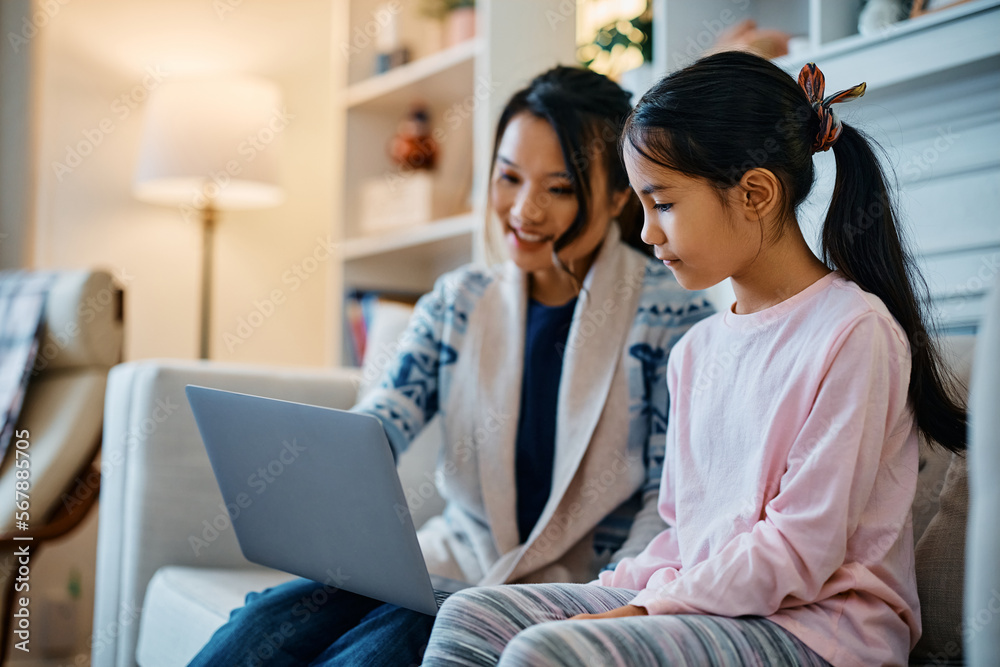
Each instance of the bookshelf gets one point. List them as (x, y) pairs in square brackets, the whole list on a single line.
[(935, 71), (464, 87)]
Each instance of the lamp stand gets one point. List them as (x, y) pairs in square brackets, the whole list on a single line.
[(208, 237)]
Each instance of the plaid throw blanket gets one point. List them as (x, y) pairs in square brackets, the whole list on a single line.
[(22, 310)]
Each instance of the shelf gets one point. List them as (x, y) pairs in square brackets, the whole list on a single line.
[(408, 237), (462, 88), (418, 78), (411, 259), (963, 34)]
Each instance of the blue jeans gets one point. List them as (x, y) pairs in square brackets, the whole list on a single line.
[(303, 622)]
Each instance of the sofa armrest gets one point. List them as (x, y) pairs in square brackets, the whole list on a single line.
[(160, 504), (981, 622)]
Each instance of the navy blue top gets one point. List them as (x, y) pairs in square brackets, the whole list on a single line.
[(544, 345)]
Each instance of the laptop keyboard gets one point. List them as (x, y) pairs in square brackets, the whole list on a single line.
[(440, 597)]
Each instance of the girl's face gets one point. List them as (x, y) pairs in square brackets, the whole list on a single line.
[(689, 225), (535, 200)]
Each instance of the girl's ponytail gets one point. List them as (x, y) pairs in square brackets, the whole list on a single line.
[(861, 240)]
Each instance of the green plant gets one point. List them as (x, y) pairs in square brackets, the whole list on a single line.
[(438, 9), (606, 53)]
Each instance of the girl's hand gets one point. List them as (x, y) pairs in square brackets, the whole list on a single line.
[(621, 612)]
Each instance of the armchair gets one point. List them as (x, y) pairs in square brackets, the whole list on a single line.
[(58, 431)]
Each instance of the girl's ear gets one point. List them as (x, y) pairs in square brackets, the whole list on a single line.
[(760, 194)]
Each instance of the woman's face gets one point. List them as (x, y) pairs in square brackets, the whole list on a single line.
[(535, 200)]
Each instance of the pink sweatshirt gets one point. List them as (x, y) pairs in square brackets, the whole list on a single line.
[(791, 465)]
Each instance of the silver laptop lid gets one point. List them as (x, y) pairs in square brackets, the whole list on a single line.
[(315, 493)]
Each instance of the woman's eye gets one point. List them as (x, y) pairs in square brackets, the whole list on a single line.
[(510, 178), (662, 208), (562, 190)]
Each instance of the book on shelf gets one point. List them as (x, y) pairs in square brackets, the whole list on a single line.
[(373, 319)]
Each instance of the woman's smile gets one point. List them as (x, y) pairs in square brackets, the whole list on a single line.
[(527, 240)]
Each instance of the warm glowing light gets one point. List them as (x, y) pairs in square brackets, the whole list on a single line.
[(212, 141), (592, 15)]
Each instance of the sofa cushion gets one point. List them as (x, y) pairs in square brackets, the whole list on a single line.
[(184, 606), (956, 353), (934, 462), (83, 322), (940, 511), (940, 562), (388, 323)]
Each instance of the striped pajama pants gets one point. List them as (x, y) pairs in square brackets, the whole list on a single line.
[(526, 625)]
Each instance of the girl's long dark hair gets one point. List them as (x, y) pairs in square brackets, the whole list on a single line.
[(587, 110), (732, 112)]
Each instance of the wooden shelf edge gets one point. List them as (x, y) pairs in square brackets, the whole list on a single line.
[(410, 73), (406, 237)]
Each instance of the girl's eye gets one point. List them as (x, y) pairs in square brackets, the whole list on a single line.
[(566, 190), (662, 208), (510, 178)]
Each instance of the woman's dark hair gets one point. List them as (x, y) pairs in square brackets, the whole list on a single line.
[(587, 111), (731, 112)]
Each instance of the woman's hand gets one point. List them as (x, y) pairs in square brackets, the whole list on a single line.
[(621, 612)]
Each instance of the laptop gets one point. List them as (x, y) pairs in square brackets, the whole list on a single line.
[(314, 491)]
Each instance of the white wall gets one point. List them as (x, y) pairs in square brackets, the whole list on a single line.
[(96, 65), (18, 56)]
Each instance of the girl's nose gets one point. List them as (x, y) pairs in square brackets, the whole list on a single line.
[(651, 233)]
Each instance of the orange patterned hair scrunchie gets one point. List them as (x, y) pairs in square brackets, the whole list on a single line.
[(811, 80)]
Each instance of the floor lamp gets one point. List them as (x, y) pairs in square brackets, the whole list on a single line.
[(211, 145)]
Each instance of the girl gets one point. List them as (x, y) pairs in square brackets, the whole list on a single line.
[(548, 374), (791, 457)]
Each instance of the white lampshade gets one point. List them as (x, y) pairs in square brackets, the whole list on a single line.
[(212, 141)]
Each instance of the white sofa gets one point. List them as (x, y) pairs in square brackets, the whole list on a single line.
[(169, 566), (167, 578)]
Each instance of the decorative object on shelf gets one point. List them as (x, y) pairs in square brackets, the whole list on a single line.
[(413, 194), (921, 7), (389, 51), (208, 145), (403, 200), (459, 17), (877, 15), (746, 36), (615, 37), (413, 147)]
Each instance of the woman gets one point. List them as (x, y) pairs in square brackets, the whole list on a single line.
[(548, 373)]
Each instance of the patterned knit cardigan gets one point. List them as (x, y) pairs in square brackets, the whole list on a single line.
[(461, 357)]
